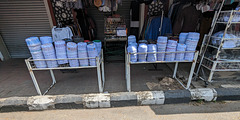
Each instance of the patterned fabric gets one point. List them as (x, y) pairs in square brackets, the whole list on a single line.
[(155, 8), (61, 12)]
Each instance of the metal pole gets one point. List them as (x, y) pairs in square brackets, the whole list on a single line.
[(212, 71), (103, 72), (192, 70), (33, 77), (99, 75), (53, 77), (175, 70), (128, 74)]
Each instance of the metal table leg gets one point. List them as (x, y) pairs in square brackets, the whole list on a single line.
[(192, 70), (33, 78), (175, 70), (128, 79), (100, 85), (103, 72)]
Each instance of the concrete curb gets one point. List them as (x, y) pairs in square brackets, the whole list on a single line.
[(121, 99)]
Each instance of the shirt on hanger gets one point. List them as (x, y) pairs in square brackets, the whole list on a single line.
[(61, 33)]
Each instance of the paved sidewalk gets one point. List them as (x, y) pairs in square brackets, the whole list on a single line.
[(16, 81), (195, 110)]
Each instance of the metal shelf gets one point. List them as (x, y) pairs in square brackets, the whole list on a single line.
[(217, 64), (99, 66), (128, 64)]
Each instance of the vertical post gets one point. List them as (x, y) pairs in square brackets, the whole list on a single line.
[(103, 72), (128, 73), (212, 71), (53, 77), (33, 77), (99, 75), (175, 70), (192, 70)]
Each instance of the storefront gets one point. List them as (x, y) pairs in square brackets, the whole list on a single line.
[(160, 31)]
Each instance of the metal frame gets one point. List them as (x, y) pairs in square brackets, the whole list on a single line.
[(99, 66), (206, 44), (128, 67)]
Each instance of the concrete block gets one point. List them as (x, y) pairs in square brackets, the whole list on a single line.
[(150, 97), (41, 102), (177, 96), (69, 102), (96, 100), (104, 100), (207, 94), (14, 104), (123, 99), (228, 94)]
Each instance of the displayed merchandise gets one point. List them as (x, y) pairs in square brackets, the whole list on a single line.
[(171, 47), (217, 37), (152, 57), (161, 47), (180, 48), (35, 49), (39, 55), (132, 49), (82, 53), (142, 48), (131, 39), (61, 33), (98, 44), (46, 40), (49, 53), (183, 37), (177, 50), (92, 53), (33, 41), (72, 53), (60, 47)]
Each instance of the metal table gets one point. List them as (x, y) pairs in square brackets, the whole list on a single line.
[(99, 66), (128, 63)]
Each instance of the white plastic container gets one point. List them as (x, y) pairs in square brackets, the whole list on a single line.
[(180, 56), (82, 53), (161, 47), (72, 53), (61, 53), (32, 41), (171, 47), (98, 44), (152, 57), (131, 39), (39, 55), (35, 48), (49, 53), (142, 48), (183, 37), (189, 56), (92, 53), (132, 48), (46, 40)]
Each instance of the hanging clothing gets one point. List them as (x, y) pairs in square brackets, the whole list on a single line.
[(155, 8), (153, 28), (61, 33), (134, 17), (187, 20)]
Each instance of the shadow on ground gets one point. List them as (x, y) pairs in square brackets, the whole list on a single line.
[(196, 107)]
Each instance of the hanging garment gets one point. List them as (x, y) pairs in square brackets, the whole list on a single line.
[(61, 33), (187, 20), (134, 17), (152, 32), (155, 8)]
